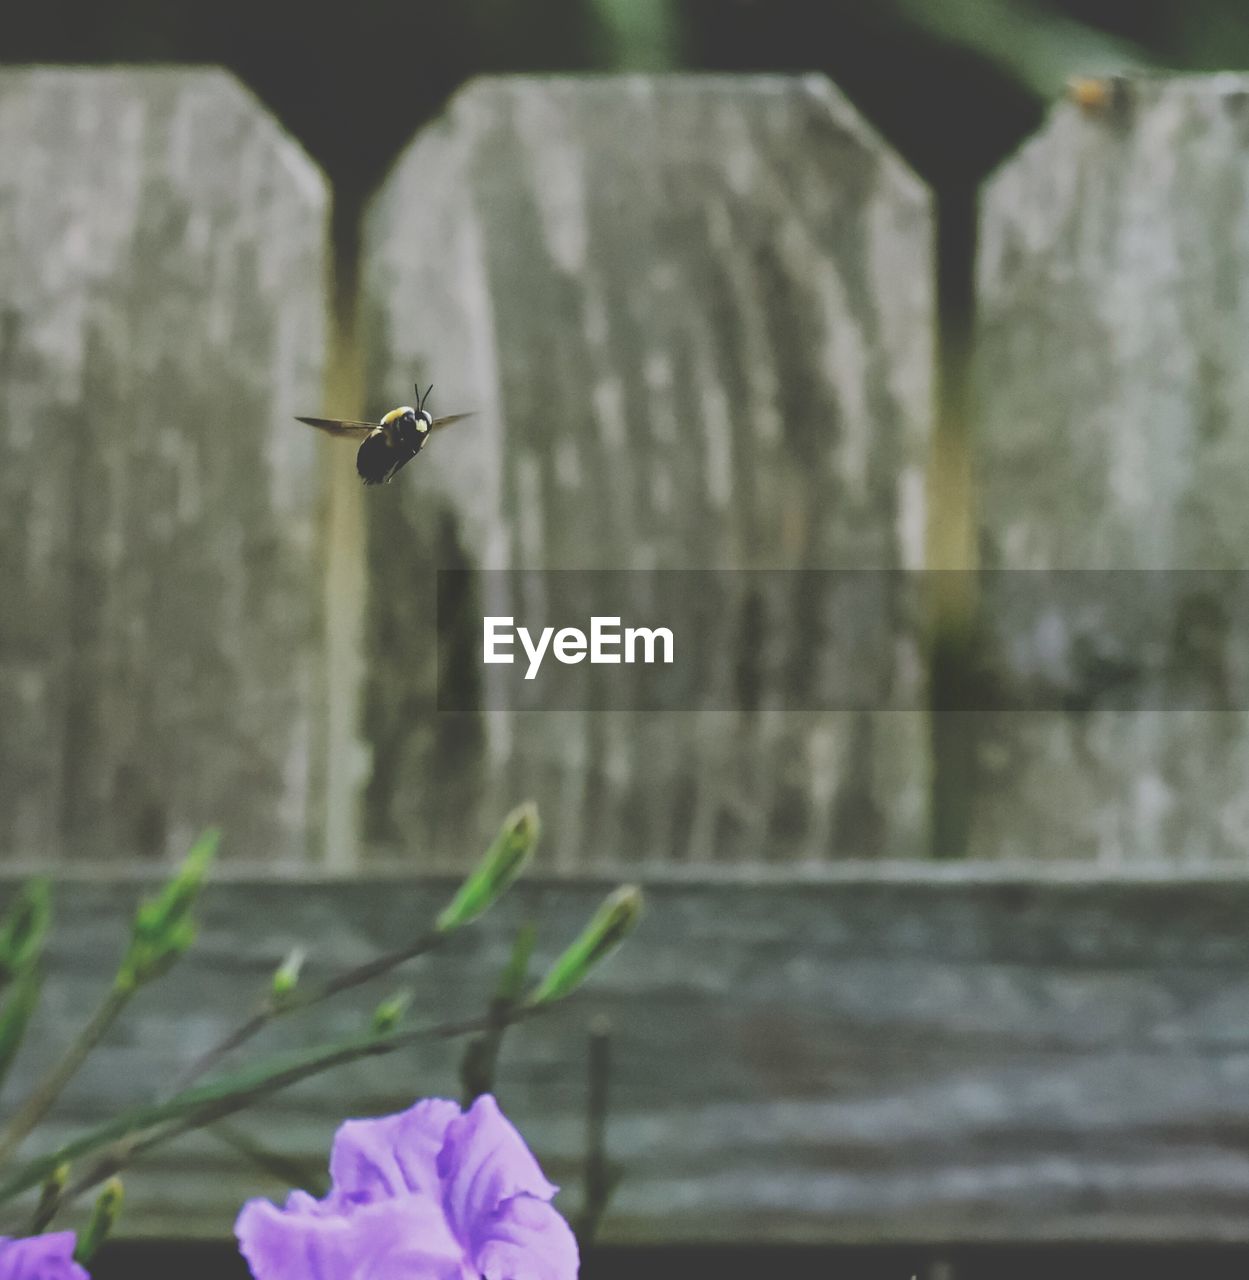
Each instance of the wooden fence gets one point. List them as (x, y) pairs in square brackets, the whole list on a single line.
[(697, 318)]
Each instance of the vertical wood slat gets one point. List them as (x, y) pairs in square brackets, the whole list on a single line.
[(696, 316), (162, 297), (1114, 435)]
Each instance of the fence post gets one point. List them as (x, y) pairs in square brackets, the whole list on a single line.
[(162, 263), (1114, 435), (696, 316)]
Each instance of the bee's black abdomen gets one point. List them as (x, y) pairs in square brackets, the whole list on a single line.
[(374, 459), (377, 461)]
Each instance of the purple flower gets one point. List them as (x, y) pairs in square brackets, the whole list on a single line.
[(49, 1257), (432, 1193)]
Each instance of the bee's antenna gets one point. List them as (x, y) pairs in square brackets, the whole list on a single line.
[(425, 397)]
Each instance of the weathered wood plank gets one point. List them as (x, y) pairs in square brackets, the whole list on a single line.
[(696, 316), (884, 1054), (162, 277), (1114, 435)]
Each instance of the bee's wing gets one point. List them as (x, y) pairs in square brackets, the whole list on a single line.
[(339, 427), (439, 423)]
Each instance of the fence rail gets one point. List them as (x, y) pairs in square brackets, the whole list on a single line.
[(969, 1054)]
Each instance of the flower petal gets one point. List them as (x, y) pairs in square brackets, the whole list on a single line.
[(47, 1257), (392, 1155), (302, 1202), (483, 1162), (404, 1236), (526, 1239)]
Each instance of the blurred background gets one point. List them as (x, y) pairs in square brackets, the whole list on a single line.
[(954, 86), (973, 1003)]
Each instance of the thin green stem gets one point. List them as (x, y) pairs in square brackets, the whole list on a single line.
[(142, 1128), (49, 1201), (129, 1144), (284, 1168), (45, 1095), (600, 1177), (481, 1054), (21, 998), (273, 1009)]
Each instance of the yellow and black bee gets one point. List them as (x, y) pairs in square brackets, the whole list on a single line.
[(397, 439)]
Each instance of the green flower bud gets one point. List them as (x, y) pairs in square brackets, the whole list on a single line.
[(163, 926), (50, 1198), (103, 1219), (388, 1014), (503, 862), (286, 975), (607, 929)]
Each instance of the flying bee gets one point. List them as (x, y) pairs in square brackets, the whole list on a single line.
[(387, 445)]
